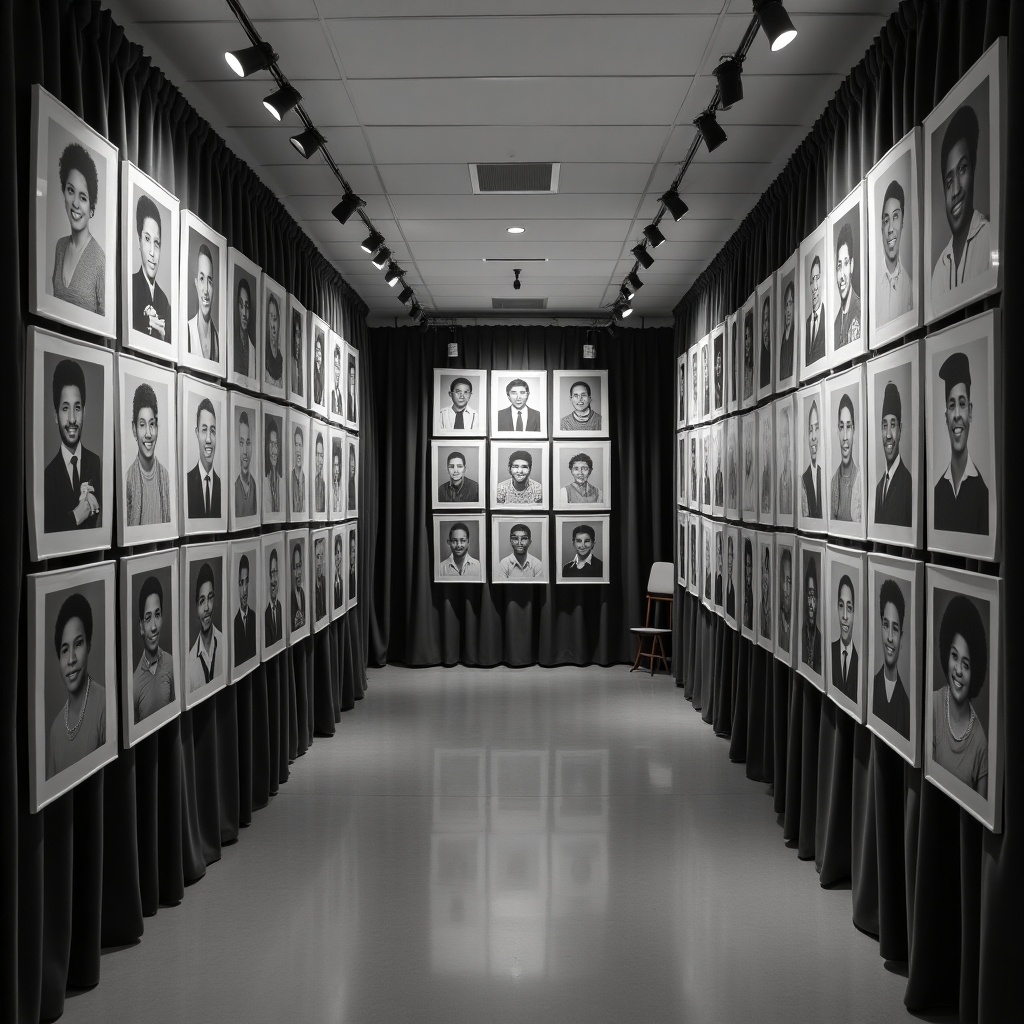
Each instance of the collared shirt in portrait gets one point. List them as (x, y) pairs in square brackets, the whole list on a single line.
[(468, 490), (845, 498), (531, 494), (298, 490), (152, 684), (894, 294), (449, 416), (962, 508), (576, 495), (975, 260), (592, 422), (470, 568), (245, 497), (509, 568), (201, 665)]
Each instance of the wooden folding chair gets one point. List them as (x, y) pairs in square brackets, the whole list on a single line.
[(661, 585)]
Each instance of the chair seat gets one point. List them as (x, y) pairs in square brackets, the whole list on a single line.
[(649, 631)]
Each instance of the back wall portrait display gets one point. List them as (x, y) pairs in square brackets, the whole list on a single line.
[(352, 588), (459, 548), (811, 581), (845, 449), (73, 236), (732, 575), (69, 445), (272, 465), (318, 439), (352, 476), (519, 549), (297, 466), (581, 473), (297, 352), (766, 591), (244, 447), (320, 540), (273, 579), (205, 667), (338, 474), (339, 569), (298, 606), (149, 265), (72, 679), (785, 618), (460, 403), (787, 330), (244, 588), (519, 403), (244, 302), (351, 386), (810, 453), (581, 403), (457, 469), (719, 370), (519, 474), (337, 377), (202, 297), (764, 329), (202, 417), (786, 484), (748, 597), (583, 549)]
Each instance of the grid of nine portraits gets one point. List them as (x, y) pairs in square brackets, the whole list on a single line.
[(839, 410), (271, 460)]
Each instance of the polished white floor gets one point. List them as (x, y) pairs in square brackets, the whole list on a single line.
[(507, 845)]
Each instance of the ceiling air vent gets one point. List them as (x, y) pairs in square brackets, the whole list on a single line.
[(519, 303), (514, 179)]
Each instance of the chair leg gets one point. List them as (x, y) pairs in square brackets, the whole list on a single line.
[(639, 653)]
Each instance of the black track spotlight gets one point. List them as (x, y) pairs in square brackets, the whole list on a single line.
[(405, 295), (350, 202), (280, 102), (626, 292), (424, 321), (380, 261), (675, 206), (517, 284), (394, 275), (373, 241), (621, 309), (251, 59), (627, 310), (414, 311), (308, 142), (643, 257), (775, 23), (730, 82), (653, 235), (710, 130), (634, 282)]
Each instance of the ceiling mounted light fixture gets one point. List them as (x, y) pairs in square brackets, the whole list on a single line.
[(730, 82), (625, 291), (643, 257), (622, 309), (674, 204), (424, 321), (414, 311), (405, 295), (306, 143), (394, 275), (775, 23), (515, 230), (372, 242), (286, 98), (710, 130), (517, 284), (635, 283), (251, 59), (350, 202), (653, 235), (382, 257)]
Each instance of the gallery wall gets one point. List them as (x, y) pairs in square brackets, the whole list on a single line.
[(934, 884)]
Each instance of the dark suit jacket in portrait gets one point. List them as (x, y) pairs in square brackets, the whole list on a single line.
[(748, 608), (339, 593), (896, 712), (321, 494), (718, 588), (272, 623), (849, 685), (730, 600), (812, 494), (964, 512), (298, 608), (59, 497), (351, 583), (245, 636), (506, 421), (719, 488), (594, 568), (321, 597), (786, 355), (141, 298), (815, 348), (898, 507), (197, 498)]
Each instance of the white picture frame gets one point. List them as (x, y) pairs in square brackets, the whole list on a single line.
[(534, 410), (786, 365), (573, 482), (748, 352), (733, 469), (458, 473), (812, 344), (733, 566), (846, 451), (507, 488), (317, 381), (682, 468), (319, 487), (846, 611), (271, 343), (352, 590), (576, 392), (296, 455), (244, 439), (809, 656), (203, 592), (273, 576), (299, 601), (469, 388), (202, 419), (680, 552), (297, 349), (336, 378), (339, 570), (243, 580), (210, 282), (766, 464), (352, 476), (509, 564), (595, 568), (787, 483), (747, 595), (242, 324), (785, 610), (681, 380), (719, 358), (693, 556), (273, 464), (336, 484), (811, 500), (846, 330), (460, 548), (321, 586), (351, 386)]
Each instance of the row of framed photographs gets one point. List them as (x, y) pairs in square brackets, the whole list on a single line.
[(877, 634), (178, 471), (192, 620), (514, 403), (847, 456), (187, 298), (919, 238), (520, 547)]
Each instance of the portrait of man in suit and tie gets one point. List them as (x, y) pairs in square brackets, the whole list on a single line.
[(151, 309), (320, 589), (273, 622), (518, 416), (845, 657), (245, 618), (337, 409), (814, 349), (894, 492), (810, 480), (203, 483), (788, 326), (319, 484), (298, 594), (338, 603), (297, 484)]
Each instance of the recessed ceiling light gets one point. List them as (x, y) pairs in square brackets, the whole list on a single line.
[(515, 230)]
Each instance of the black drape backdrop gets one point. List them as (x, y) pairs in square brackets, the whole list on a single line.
[(84, 872), (938, 889), (417, 622)]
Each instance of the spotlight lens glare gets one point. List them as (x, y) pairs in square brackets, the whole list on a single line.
[(515, 230), (783, 40), (273, 110), (234, 64), (628, 311)]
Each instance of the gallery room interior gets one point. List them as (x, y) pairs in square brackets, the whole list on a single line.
[(306, 722)]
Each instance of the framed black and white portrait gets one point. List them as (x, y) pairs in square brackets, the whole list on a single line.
[(749, 340), (145, 437), (149, 265), (733, 563), (244, 564), (72, 679), (786, 367), (718, 555), (893, 228), (338, 569), (748, 456), (202, 425), (733, 469), (705, 468), (812, 278), (243, 497), (682, 468), (706, 388), (458, 472), (69, 445), (764, 339), (894, 447), (961, 366), (765, 614), (964, 153), (707, 564), (693, 412), (692, 554), (351, 476), (582, 548), (351, 386), (846, 327), (766, 464), (244, 303), (352, 588), (963, 727), (149, 606), (73, 237), (336, 378), (786, 483), (321, 540), (202, 297), (845, 448), (681, 518), (460, 403), (680, 390), (719, 370), (272, 342), (273, 470), (580, 403), (519, 475), (896, 640), (338, 474), (297, 349), (812, 510), (581, 473), (519, 549), (732, 362), (460, 548), (274, 579), (317, 386), (296, 455), (810, 590), (319, 487), (693, 468), (205, 659), (519, 403), (846, 609), (298, 600), (785, 618), (748, 581), (717, 432)]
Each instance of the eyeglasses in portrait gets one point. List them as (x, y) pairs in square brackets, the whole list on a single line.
[(581, 403), (244, 446), (963, 739), (748, 581), (810, 453), (844, 614), (787, 308), (298, 608), (580, 473), (785, 610), (733, 559), (845, 449), (274, 487), (352, 476), (457, 469), (847, 329), (459, 548), (202, 296), (202, 415), (149, 265), (786, 483), (582, 549), (295, 454), (351, 386), (271, 343), (459, 403), (519, 403), (244, 587), (964, 146), (519, 474), (764, 343), (519, 549), (765, 627), (319, 437), (205, 668), (813, 276), (338, 569), (719, 358), (297, 352), (73, 235), (69, 445), (338, 476), (811, 580), (317, 382), (244, 304), (273, 577), (766, 464), (352, 590), (147, 453), (320, 541), (72, 679)]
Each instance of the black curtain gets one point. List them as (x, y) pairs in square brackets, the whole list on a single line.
[(417, 622), (82, 873), (938, 889)]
